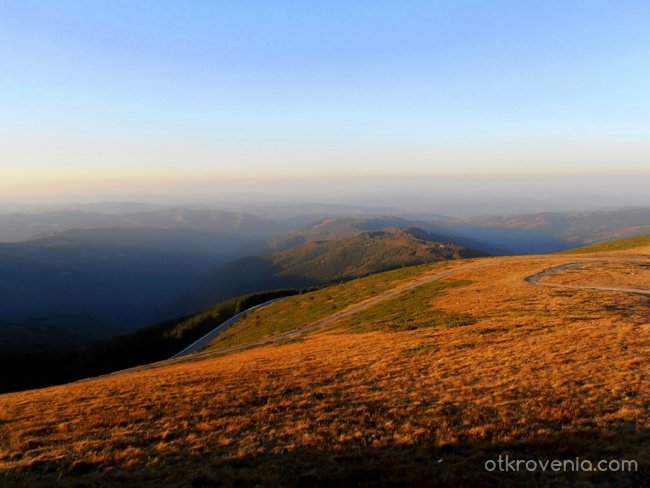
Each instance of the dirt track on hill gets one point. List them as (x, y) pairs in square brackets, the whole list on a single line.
[(422, 281), (534, 279), (350, 310)]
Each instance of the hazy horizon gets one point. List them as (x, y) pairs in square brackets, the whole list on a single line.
[(336, 102), (455, 196)]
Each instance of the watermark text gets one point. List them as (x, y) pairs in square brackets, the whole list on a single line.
[(506, 464)]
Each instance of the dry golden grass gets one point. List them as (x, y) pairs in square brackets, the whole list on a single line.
[(620, 273), (627, 244), (538, 373)]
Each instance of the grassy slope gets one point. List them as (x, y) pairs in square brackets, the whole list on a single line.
[(618, 245), (409, 311), (531, 372), (301, 310)]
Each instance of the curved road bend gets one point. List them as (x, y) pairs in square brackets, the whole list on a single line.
[(534, 279)]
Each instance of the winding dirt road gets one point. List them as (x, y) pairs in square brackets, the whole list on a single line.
[(350, 310), (534, 279)]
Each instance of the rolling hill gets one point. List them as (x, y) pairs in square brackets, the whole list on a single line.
[(418, 376), (68, 290), (323, 261), (328, 229)]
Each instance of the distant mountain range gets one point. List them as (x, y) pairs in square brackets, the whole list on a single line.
[(549, 231), (91, 272), (498, 235), (284, 226), (16, 227)]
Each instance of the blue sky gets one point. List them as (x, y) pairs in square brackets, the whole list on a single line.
[(94, 90)]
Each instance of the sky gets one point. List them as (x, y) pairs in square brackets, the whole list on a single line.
[(108, 99)]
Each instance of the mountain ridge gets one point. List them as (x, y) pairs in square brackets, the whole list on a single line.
[(316, 262)]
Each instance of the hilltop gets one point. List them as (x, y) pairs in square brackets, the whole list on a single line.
[(415, 376), (335, 228)]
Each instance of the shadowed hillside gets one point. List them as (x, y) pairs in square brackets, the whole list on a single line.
[(550, 231), (85, 285), (48, 361)]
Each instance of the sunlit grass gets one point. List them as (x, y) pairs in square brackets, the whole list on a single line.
[(408, 311), (622, 274), (303, 309)]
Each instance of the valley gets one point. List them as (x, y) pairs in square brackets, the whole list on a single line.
[(88, 273)]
